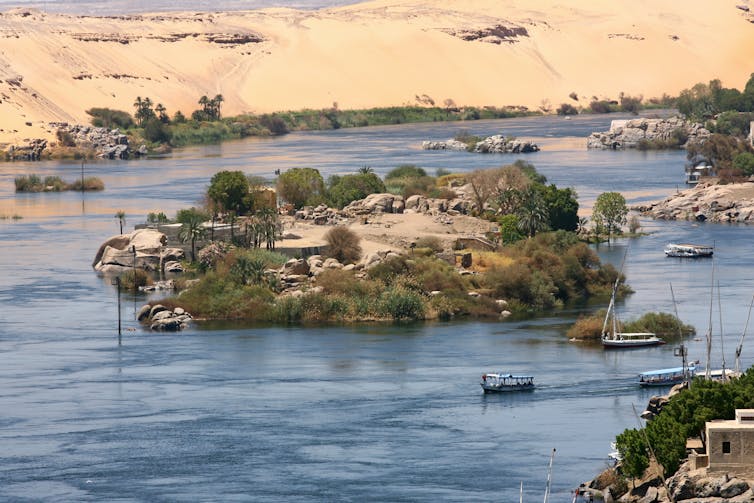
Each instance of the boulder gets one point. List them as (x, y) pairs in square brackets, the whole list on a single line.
[(143, 249), (295, 267), (143, 312), (734, 487), (157, 308)]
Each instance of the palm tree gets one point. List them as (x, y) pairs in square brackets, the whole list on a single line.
[(268, 226), (532, 213), (121, 216), (161, 113), (192, 230), (138, 105), (216, 101), (365, 170), (204, 102)]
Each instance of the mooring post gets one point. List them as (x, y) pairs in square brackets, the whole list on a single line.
[(116, 282)]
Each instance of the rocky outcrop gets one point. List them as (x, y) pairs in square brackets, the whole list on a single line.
[(142, 249), (687, 485), (634, 133), (492, 144), (160, 318), (108, 143), (376, 203), (714, 203), (30, 150)]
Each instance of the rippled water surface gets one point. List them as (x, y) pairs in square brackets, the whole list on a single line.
[(373, 413)]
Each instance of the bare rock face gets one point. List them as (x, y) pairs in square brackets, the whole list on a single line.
[(497, 144), (141, 249), (376, 203), (714, 203), (631, 133)]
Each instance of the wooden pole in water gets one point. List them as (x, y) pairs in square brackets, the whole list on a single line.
[(116, 282)]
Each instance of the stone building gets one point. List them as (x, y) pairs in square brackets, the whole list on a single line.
[(730, 443)]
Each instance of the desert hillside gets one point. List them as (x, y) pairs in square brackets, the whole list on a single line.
[(478, 52)]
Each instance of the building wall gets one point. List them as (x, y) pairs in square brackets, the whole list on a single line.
[(741, 456)]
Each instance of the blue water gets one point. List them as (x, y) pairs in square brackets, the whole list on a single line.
[(223, 412)]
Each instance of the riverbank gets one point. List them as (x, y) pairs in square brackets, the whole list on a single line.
[(362, 56)]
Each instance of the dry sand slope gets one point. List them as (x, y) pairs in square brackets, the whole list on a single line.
[(475, 52)]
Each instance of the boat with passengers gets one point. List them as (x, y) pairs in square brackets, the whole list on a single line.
[(667, 377), (685, 250), (500, 382)]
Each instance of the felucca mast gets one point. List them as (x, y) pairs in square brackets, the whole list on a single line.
[(549, 477), (741, 341), (708, 371)]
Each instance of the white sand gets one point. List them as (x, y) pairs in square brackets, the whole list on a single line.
[(54, 67)]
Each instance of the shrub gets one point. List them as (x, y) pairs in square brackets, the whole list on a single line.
[(342, 190), (469, 139), (65, 138), (431, 242), (214, 252), (301, 186), (28, 183), (343, 245), (600, 107), (156, 131), (400, 303), (588, 327), (91, 183), (406, 171), (274, 124), (132, 279), (106, 117), (567, 109)]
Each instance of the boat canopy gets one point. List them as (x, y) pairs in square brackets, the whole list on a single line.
[(670, 371)]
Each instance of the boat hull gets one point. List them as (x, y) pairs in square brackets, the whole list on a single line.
[(507, 389), (624, 343)]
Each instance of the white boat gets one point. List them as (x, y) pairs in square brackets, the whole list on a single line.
[(685, 250), (614, 455), (614, 338), (667, 377), (500, 382)]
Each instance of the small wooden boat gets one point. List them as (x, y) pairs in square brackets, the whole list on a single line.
[(686, 250), (500, 382)]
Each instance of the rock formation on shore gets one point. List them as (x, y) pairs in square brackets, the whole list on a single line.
[(105, 143), (160, 318), (142, 249), (492, 144), (634, 133), (715, 203)]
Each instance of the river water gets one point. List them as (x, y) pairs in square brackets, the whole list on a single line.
[(359, 413)]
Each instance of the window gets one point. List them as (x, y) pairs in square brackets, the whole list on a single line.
[(726, 447)]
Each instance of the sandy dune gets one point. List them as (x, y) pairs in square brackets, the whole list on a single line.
[(478, 52)]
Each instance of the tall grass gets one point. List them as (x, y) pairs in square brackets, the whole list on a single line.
[(34, 183)]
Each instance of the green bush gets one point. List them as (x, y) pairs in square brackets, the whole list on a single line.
[(342, 190), (400, 303), (132, 279), (111, 119)]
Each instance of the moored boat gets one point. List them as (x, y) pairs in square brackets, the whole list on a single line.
[(612, 337), (500, 382), (685, 250)]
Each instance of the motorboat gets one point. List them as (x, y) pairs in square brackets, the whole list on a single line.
[(685, 250), (499, 382), (667, 377)]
